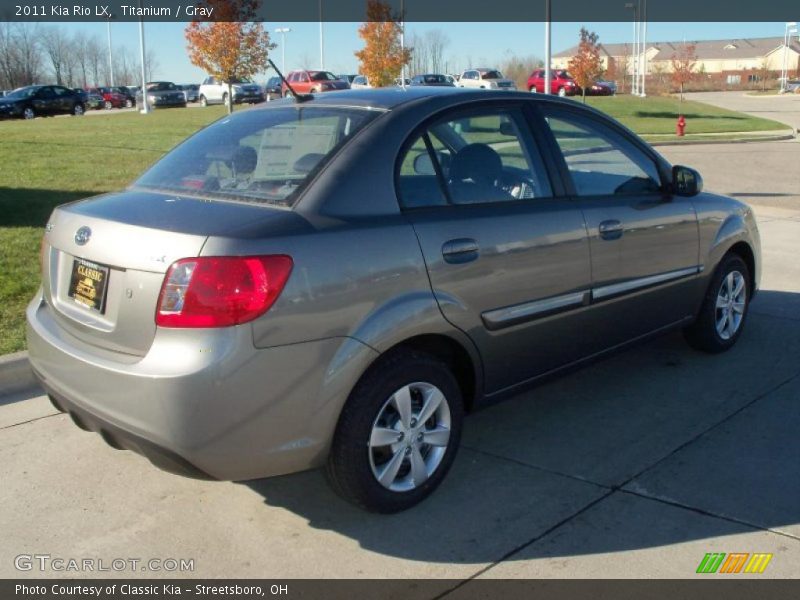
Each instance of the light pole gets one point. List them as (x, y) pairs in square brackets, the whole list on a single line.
[(789, 29), (403, 43), (635, 48), (644, 46), (110, 61), (321, 40), (283, 31), (145, 106), (547, 58)]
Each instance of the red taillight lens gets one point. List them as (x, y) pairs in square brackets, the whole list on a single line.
[(219, 291)]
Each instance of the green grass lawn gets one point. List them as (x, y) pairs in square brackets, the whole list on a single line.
[(658, 114), (46, 162)]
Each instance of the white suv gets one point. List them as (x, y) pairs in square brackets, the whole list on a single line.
[(214, 91), (490, 79)]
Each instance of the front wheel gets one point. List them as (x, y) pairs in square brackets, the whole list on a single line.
[(532, 89), (724, 309), (562, 92), (28, 113), (108, 105), (398, 434), (78, 110), (203, 101), (128, 103)]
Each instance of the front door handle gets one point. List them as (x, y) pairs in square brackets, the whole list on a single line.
[(460, 251), (610, 230)]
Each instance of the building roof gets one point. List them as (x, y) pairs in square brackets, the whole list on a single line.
[(705, 50)]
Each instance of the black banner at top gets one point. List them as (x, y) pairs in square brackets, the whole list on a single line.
[(413, 10)]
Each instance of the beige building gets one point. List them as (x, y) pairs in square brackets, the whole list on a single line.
[(733, 61)]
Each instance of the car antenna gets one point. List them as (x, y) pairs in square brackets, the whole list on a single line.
[(297, 97)]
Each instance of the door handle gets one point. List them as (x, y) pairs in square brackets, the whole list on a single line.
[(610, 230), (460, 251)]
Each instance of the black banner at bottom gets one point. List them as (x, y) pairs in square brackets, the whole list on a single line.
[(402, 589)]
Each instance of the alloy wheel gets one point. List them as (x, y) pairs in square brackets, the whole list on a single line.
[(730, 307), (409, 437), (28, 113), (78, 110)]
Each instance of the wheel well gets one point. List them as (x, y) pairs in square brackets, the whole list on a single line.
[(454, 355), (743, 250)]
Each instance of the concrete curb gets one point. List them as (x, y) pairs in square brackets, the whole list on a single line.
[(16, 374), (788, 135)]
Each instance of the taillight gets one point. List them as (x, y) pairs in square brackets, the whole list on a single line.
[(219, 291)]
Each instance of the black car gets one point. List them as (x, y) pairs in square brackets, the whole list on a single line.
[(91, 100), (432, 79), (273, 87), (191, 91), (162, 94), (41, 100)]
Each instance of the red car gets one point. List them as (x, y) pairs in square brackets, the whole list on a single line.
[(112, 99), (313, 82), (561, 83)]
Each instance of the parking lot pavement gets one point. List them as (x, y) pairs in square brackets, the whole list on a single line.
[(634, 467), (784, 108)]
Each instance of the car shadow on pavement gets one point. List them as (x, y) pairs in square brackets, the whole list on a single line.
[(657, 445)]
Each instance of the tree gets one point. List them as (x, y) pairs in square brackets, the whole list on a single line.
[(683, 65), (586, 66), (519, 68), (382, 58), (233, 46)]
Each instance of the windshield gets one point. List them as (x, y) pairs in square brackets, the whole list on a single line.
[(161, 86), (491, 75), (434, 79), (240, 80), (322, 76), (25, 92), (258, 155)]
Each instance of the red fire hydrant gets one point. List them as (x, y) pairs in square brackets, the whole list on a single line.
[(681, 126)]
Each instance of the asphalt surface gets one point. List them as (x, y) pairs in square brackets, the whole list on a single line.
[(634, 467)]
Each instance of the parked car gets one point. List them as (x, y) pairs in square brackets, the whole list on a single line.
[(162, 94), (40, 100), (111, 99), (490, 79), (91, 100), (561, 83), (360, 82), (191, 91), (130, 97), (213, 91), (348, 78), (305, 284), (399, 81), (313, 82), (793, 86), (272, 89), (432, 79), (611, 85)]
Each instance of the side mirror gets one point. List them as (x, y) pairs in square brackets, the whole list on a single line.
[(686, 181)]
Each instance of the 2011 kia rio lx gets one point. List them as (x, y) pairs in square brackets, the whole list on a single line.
[(337, 281)]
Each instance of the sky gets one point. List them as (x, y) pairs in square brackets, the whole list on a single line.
[(478, 44)]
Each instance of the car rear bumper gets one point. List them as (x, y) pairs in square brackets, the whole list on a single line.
[(203, 403)]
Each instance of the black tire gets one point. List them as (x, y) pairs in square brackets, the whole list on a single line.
[(349, 467), (28, 113), (203, 101), (287, 94), (703, 333), (128, 103), (78, 110), (107, 104), (225, 98)]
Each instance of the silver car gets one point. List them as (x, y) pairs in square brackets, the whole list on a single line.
[(336, 282)]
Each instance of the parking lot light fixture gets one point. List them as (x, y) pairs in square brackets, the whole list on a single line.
[(283, 31)]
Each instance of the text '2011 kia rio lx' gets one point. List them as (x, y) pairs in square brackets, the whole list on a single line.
[(335, 282)]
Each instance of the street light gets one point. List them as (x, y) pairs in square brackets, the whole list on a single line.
[(321, 40), (110, 61), (547, 48), (789, 29), (644, 46), (145, 106), (634, 56), (283, 31)]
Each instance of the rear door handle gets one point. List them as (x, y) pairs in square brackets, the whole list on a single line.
[(460, 251), (610, 230)]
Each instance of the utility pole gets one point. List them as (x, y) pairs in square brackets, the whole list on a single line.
[(547, 57), (644, 46), (321, 40), (283, 31), (145, 106), (110, 61)]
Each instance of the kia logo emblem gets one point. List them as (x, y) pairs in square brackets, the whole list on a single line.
[(82, 235)]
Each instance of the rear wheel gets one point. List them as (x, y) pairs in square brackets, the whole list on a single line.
[(108, 105), (532, 89), (203, 101), (287, 94), (225, 99), (562, 92), (724, 309), (128, 103), (398, 434), (78, 110), (28, 113)]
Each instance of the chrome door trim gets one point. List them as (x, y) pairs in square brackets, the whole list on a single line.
[(631, 285), (518, 313)]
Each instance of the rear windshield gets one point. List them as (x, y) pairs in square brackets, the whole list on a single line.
[(161, 86), (266, 155), (492, 75), (322, 76), (434, 79)]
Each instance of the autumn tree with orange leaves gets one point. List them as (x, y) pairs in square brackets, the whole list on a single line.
[(382, 58), (683, 64), (586, 66), (232, 46)]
